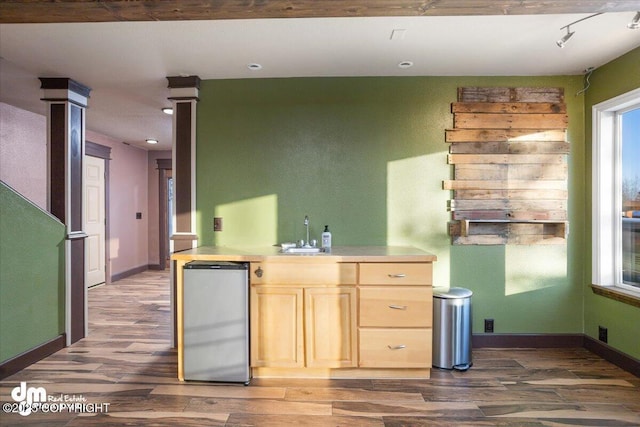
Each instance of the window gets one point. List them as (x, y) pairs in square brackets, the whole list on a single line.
[(630, 134), (616, 193)]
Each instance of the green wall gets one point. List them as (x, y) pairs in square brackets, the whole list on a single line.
[(622, 320), (367, 156), (31, 275)]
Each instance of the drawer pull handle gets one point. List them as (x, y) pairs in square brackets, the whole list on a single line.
[(259, 272), (397, 347), (398, 307), (397, 276)]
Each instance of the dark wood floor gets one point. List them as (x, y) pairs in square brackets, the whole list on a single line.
[(128, 363)]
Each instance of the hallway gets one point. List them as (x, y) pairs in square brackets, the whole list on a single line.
[(127, 363)]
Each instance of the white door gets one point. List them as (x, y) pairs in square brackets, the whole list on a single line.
[(94, 220)]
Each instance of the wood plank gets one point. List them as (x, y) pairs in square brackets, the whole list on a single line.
[(539, 215), (507, 94), (47, 11), (504, 185), (519, 205), (509, 107), (506, 158), (479, 240), (509, 121), (509, 230), (505, 147), (479, 135), (538, 94), (511, 194), (508, 240), (510, 171)]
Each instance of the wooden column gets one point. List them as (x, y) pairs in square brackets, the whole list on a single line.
[(66, 103), (184, 96)]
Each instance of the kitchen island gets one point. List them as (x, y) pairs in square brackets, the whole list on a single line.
[(357, 312)]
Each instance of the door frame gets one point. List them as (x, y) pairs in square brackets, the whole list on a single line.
[(163, 166), (103, 152)]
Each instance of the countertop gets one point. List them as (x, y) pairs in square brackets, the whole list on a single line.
[(338, 254)]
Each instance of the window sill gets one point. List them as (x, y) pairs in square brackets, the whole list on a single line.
[(618, 294)]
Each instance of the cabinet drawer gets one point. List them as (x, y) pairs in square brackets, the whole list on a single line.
[(396, 306), (395, 348), (301, 274), (395, 273)]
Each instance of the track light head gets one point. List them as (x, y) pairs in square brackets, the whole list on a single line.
[(635, 22), (564, 38)]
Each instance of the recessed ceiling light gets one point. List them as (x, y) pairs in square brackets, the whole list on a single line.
[(405, 64), (167, 110), (398, 34), (151, 141), (254, 66)]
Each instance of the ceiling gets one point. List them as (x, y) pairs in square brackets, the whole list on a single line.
[(126, 62)]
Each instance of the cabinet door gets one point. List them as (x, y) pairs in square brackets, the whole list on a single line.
[(277, 337), (330, 327)]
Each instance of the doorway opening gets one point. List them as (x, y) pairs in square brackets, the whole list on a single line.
[(165, 209), (96, 213)]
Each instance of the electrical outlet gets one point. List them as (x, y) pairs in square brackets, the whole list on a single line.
[(138, 215), (488, 326), (602, 334), (217, 223)]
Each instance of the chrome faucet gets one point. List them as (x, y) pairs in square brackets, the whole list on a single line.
[(306, 224)]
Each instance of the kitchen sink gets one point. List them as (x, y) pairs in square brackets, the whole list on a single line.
[(303, 250)]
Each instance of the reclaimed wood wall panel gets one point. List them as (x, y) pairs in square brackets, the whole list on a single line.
[(510, 94), (508, 135), (509, 107), (509, 171), (509, 152), (509, 121), (510, 147)]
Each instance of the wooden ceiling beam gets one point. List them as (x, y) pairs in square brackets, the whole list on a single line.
[(48, 11)]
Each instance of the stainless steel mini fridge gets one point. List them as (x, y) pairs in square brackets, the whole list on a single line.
[(216, 321)]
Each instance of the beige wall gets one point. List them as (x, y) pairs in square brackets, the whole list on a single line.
[(23, 152)]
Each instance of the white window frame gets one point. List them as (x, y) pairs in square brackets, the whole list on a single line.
[(607, 191)]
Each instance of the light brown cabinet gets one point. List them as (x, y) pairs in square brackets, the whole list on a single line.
[(395, 348), (340, 315), (330, 327), (395, 315), (396, 306), (303, 315), (277, 335), (359, 312)]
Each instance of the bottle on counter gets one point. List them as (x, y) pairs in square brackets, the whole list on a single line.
[(326, 239)]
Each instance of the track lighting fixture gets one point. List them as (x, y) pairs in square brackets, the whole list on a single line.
[(564, 38), (635, 22), (570, 33)]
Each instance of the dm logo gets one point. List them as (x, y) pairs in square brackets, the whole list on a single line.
[(27, 397)]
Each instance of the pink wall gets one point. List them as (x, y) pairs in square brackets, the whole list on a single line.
[(23, 152), (128, 194), (133, 184)]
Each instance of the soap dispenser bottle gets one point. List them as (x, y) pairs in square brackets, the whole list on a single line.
[(326, 239)]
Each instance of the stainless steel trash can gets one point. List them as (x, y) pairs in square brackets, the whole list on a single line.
[(452, 328)]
